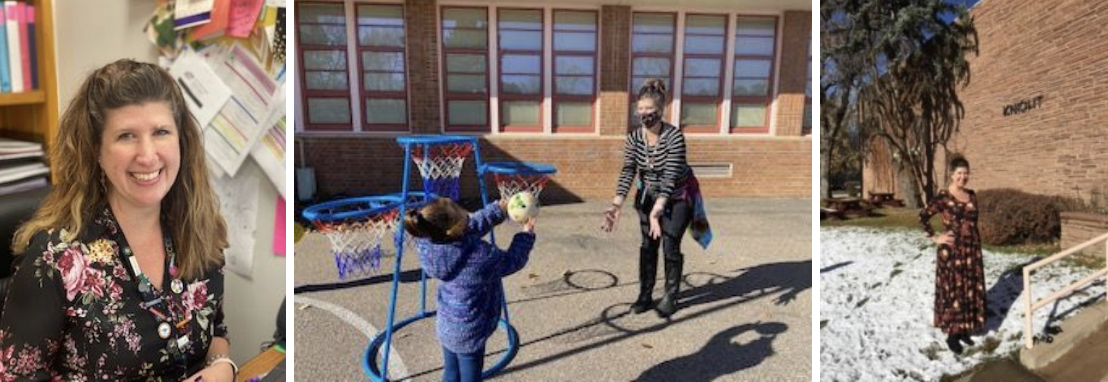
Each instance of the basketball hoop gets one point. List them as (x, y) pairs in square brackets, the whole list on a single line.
[(514, 177), (356, 228)]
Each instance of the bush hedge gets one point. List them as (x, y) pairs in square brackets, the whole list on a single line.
[(1011, 217)]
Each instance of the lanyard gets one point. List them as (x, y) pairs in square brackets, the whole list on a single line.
[(170, 323)]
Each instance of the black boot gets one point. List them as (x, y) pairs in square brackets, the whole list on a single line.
[(965, 338), (953, 344), (668, 305), (648, 269)]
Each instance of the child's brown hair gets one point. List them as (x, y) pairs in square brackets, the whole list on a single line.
[(441, 220)]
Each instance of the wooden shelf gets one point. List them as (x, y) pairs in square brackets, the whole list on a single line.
[(26, 98)]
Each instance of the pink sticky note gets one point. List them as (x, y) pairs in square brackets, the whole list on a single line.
[(279, 230), (242, 17)]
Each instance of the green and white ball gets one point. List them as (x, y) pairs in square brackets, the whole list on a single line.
[(523, 206)]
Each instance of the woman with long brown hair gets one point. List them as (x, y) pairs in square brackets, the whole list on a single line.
[(121, 266)]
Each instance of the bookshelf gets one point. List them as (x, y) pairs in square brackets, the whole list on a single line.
[(33, 115)]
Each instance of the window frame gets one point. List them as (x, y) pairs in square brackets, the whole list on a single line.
[(771, 88), (365, 95), (556, 98), (305, 92), (672, 57), (503, 97), (721, 57), (446, 95)]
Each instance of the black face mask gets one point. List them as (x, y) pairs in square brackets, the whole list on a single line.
[(649, 119)]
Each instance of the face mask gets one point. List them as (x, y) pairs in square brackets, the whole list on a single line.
[(650, 119)]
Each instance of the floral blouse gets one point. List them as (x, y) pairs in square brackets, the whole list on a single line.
[(75, 312)]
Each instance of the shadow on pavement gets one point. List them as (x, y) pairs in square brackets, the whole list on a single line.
[(788, 279), (721, 356), (405, 277)]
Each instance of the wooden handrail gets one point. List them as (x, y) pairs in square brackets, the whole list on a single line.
[(1032, 306)]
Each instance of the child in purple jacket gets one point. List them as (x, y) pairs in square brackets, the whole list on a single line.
[(469, 270)]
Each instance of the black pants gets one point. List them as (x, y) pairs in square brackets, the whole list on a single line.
[(674, 221)]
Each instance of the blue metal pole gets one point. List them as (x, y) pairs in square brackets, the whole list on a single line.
[(422, 274), (396, 267), (492, 233)]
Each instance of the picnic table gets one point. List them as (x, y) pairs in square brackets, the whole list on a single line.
[(847, 206), (884, 199)]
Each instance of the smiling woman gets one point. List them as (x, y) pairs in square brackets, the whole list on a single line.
[(121, 275)]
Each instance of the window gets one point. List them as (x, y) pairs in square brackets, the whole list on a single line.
[(755, 46), (807, 122), (652, 48), (574, 50), (321, 30), (465, 64), (701, 84), (381, 58), (521, 75)]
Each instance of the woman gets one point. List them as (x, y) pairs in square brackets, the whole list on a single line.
[(655, 152), (960, 273), (121, 270)]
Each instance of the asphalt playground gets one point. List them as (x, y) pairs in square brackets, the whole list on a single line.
[(745, 313)]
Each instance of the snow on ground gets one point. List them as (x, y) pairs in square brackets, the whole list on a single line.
[(876, 300)]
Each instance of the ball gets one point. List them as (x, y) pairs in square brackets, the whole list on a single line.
[(523, 206)]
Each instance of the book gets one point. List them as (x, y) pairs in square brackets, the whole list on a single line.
[(22, 171), (10, 146), (32, 45), (5, 76), (15, 68), (23, 185), (217, 25), (29, 154), (24, 45)]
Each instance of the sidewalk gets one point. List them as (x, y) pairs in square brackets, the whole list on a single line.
[(746, 304)]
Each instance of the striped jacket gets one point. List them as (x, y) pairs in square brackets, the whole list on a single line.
[(662, 167)]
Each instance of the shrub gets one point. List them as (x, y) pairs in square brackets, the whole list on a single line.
[(1012, 217)]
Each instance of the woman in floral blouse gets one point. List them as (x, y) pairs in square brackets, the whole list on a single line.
[(120, 276)]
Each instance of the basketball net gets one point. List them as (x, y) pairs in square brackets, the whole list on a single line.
[(511, 184), (440, 166), (356, 243)]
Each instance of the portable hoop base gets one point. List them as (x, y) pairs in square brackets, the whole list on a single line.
[(373, 370)]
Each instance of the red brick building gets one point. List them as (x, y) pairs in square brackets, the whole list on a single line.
[(1037, 104), (552, 82)]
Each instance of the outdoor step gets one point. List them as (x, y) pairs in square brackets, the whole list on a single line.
[(1074, 331), (1002, 370), (1084, 363)]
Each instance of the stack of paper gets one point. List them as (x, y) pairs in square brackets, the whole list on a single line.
[(21, 166)]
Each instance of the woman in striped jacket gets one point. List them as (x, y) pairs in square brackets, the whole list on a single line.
[(655, 152)]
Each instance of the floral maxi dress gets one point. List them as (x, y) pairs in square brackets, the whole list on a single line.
[(959, 270)]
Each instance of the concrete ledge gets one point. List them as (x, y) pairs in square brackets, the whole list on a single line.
[(1074, 330)]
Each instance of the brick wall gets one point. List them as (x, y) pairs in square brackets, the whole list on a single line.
[(763, 166), (793, 69), (1057, 50), (615, 68), (588, 167), (420, 20), (1078, 228)]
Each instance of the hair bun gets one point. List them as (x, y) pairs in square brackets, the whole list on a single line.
[(654, 85)]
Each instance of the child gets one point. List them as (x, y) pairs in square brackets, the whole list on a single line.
[(469, 296)]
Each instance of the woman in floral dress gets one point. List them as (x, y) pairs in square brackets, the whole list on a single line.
[(959, 271), (120, 274)]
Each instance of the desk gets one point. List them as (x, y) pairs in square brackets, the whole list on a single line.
[(260, 364)]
